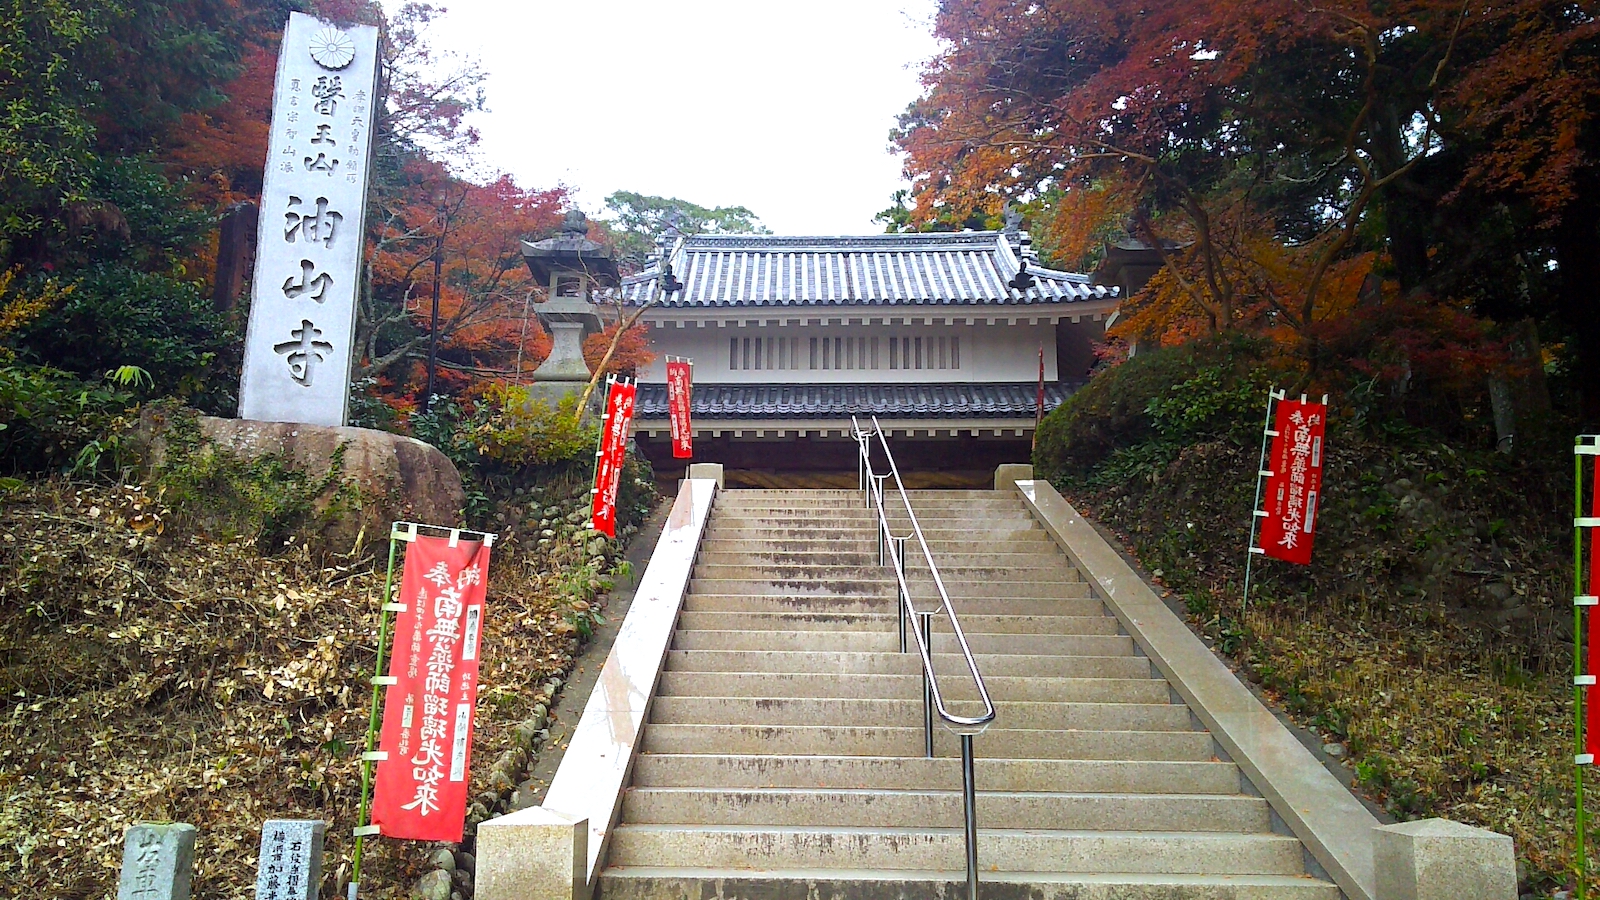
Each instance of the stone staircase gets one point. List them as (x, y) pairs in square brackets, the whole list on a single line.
[(783, 756)]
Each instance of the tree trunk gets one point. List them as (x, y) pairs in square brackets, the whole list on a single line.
[(1505, 414), (1532, 394)]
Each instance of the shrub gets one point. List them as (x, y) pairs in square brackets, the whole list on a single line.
[(445, 425), (514, 428), (116, 316), (49, 418), (1165, 398)]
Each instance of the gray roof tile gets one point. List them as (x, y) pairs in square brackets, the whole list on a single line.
[(906, 401), (966, 268)]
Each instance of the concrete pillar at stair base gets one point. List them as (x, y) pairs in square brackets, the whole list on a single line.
[(1008, 474), (712, 471), (1437, 859), (534, 852)]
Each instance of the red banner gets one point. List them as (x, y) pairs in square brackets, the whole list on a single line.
[(1591, 727), (608, 466), (678, 387), (421, 790), (1293, 488)]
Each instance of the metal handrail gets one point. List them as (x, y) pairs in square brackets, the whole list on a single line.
[(932, 698)]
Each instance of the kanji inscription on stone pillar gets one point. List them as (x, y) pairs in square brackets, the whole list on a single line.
[(298, 348)]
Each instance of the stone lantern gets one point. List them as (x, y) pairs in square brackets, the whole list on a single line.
[(570, 266)]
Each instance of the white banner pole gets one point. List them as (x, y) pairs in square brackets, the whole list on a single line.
[(1255, 509)]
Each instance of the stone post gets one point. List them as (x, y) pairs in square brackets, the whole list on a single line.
[(712, 471), (534, 852), (157, 862), (1437, 859), (1007, 475)]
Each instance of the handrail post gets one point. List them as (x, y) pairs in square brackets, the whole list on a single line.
[(874, 488), (883, 534), (903, 602), (863, 449), (927, 685), (969, 800)]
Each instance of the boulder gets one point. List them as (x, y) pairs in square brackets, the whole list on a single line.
[(383, 477)]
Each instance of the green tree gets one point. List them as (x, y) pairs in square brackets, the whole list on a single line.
[(637, 219), (89, 90), (46, 138)]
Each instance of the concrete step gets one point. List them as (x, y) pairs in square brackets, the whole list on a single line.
[(854, 492), (790, 492), (865, 808), (862, 514), (918, 773), (865, 545), (858, 496), (960, 590), (867, 519), (891, 501), (783, 754), (1001, 689), (827, 571), (730, 505), (1032, 645), (736, 846), (868, 522), (907, 712), (743, 883), (812, 530), (971, 623), (965, 607), (867, 557), (872, 740), (857, 663), (929, 522)]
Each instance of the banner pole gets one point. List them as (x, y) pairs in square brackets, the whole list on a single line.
[(363, 825), (1581, 855), (1255, 508)]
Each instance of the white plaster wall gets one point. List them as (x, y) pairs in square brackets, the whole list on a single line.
[(989, 353)]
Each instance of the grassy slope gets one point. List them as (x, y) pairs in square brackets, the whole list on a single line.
[(169, 676), (1431, 635)]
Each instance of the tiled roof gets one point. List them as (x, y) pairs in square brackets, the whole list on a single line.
[(817, 401), (967, 268)]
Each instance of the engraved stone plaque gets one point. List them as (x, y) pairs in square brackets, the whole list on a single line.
[(291, 859), (308, 261)]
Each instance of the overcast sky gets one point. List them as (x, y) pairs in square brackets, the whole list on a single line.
[(783, 108)]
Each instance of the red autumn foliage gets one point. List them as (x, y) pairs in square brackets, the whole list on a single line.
[(220, 151), (1298, 155), (487, 329), (632, 353)]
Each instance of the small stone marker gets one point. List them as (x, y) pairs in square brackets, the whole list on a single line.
[(157, 862), (291, 859)]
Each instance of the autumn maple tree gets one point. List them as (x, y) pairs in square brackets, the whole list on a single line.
[(486, 328), (1293, 163)]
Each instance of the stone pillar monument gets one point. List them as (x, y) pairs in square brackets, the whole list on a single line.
[(570, 266), (313, 203)]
